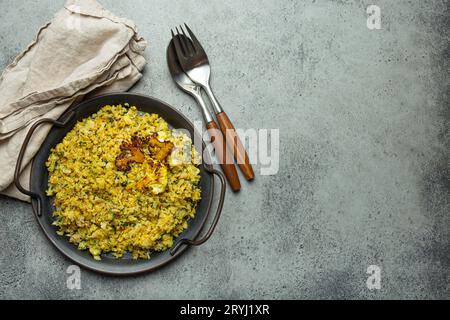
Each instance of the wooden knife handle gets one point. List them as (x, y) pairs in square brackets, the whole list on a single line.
[(235, 144), (225, 159)]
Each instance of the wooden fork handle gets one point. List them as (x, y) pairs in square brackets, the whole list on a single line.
[(235, 144), (225, 158)]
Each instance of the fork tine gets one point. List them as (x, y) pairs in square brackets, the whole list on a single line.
[(188, 41), (176, 42), (183, 43), (197, 45)]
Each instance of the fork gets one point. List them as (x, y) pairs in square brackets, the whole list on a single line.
[(195, 63), (186, 84)]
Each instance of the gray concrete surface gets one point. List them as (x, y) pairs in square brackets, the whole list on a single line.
[(365, 164)]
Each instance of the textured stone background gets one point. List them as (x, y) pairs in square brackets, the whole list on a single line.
[(365, 164)]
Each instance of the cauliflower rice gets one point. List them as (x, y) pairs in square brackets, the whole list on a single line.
[(106, 210)]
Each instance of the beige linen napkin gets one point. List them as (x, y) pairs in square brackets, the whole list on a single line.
[(84, 50)]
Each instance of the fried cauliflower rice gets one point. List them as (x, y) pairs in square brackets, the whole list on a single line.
[(139, 208)]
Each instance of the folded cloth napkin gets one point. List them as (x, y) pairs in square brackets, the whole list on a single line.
[(84, 50)]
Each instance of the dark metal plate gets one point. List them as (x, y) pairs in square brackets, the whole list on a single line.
[(39, 183)]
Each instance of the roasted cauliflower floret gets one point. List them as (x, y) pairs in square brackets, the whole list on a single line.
[(160, 150), (132, 155)]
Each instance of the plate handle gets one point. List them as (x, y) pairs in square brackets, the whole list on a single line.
[(208, 234), (17, 171)]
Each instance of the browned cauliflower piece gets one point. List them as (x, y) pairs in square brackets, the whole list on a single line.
[(159, 149)]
